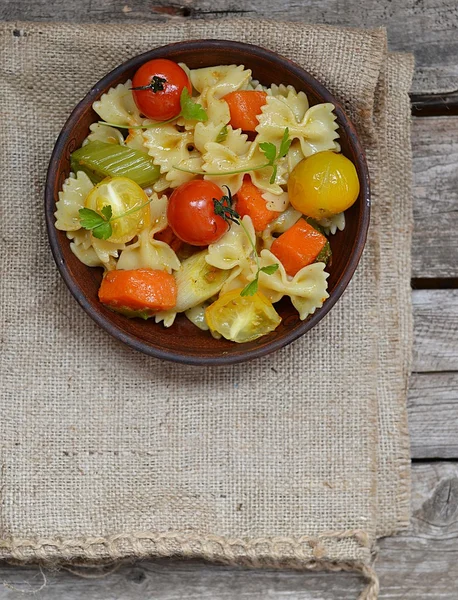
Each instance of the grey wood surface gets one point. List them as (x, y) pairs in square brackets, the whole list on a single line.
[(422, 562), (435, 190), (428, 28)]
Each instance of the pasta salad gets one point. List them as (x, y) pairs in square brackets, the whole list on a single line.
[(203, 192)]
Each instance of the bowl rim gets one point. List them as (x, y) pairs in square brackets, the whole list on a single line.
[(131, 340)]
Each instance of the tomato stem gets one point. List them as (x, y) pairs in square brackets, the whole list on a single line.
[(155, 85)]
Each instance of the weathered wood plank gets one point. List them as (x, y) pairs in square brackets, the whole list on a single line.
[(435, 193), (425, 27), (421, 563), (433, 415), (435, 330)]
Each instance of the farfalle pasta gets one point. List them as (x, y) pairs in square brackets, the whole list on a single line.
[(207, 193)]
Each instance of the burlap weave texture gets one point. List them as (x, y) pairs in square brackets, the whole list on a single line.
[(301, 456)]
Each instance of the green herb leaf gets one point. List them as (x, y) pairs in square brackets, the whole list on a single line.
[(270, 269), (103, 231), (250, 289), (223, 208), (222, 135), (89, 219), (274, 174), (269, 150), (285, 144), (191, 110), (100, 224), (107, 211)]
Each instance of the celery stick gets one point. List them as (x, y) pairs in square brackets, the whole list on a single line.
[(102, 159)]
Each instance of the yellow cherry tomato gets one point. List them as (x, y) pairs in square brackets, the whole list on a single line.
[(242, 318), (323, 185), (126, 199)]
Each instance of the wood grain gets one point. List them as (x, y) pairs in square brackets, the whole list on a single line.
[(435, 193), (433, 415), (421, 563), (435, 330), (425, 27)]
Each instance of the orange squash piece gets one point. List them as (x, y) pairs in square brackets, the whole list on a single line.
[(250, 202), (245, 106), (135, 290), (298, 247)]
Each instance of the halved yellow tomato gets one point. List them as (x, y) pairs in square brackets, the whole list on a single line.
[(323, 185), (242, 318), (126, 199)]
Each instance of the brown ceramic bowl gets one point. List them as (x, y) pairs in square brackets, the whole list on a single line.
[(183, 342)]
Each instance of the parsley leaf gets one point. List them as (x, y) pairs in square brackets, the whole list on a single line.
[(90, 219), (273, 177), (107, 211), (190, 109), (269, 150), (285, 144), (270, 269), (103, 231), (100, 224), (222, 135), (250, 289)]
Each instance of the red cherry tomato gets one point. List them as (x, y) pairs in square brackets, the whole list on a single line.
[(164, 81), (191, 213)]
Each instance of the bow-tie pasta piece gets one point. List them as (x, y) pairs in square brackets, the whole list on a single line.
[(166, 317), (240, 276), (275, 202), (204, 133), (296, 101), (158, 212), (225, 159), (234, 139), (332, 224), (147, 252), (104, 133), (295, 155), (135, 140), (233, 247), (71, 199), (307, 289), (255, 85), (316, 131), (171, 148), (118, 106), (223, 79), (92, 251)]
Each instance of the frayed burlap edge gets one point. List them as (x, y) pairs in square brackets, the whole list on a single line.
[(304, 553)]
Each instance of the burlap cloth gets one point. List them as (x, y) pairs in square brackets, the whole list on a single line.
[(298, 459)]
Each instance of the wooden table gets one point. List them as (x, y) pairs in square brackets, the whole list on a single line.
[(423, 562)]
